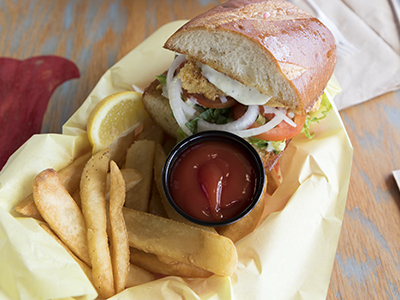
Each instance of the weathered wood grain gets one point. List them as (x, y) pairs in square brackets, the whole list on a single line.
[(367, 264), (92, 34)]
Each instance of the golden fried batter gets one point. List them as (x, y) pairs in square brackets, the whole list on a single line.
[(195, 83)]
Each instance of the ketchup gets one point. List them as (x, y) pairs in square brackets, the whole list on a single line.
[(212, 181)]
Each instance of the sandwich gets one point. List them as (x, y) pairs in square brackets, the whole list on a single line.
[(254, 68)]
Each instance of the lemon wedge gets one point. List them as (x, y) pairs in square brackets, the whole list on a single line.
[(114, 117)]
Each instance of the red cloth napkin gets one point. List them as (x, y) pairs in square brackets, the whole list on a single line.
[(25, 90)]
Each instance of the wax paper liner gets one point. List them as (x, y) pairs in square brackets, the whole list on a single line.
[(289, 256)]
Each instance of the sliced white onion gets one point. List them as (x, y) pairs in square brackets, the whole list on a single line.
[(193, 99), (258, 130), (223, 99), (172, 68), (189, 111), (240, 124), (183, 112), (175, 101), (281, 113), (269, 109)]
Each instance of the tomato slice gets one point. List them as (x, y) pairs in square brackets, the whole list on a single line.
[(283, 131), (203, 101)]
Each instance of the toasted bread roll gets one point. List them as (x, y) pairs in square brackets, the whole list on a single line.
[(158, 108), (271, 45)]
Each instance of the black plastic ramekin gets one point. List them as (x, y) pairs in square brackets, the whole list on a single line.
[(223, 136)]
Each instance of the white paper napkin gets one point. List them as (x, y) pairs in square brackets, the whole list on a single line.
[(396, 175), (372, 27)]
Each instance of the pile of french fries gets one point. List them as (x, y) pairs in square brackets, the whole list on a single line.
[(109, 211)]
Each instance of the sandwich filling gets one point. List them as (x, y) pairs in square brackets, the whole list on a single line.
[(202, 98)]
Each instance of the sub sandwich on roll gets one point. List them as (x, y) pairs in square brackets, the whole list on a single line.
[(254, 68)]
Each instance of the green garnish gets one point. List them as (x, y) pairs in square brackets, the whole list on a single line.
[(312, 119), (162, 79), (212, 115), (276, 146)]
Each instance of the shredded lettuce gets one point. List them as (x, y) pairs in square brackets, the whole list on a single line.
[(258, 142), (261, 120), (223, 115), (327, 107), (276, 146), (162, 79), (180, 135), (214, 115)]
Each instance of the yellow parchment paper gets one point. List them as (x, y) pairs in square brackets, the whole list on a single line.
[(289, 256)]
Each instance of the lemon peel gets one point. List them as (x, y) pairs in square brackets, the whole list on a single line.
[(114, 116)]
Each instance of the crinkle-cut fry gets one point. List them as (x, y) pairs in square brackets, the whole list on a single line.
[(138, 275), (93, 185), (70, 178), (152, 263), (58, 209), (120, 256), (85, 268), (159, 160), (180, 242), (140, 156)]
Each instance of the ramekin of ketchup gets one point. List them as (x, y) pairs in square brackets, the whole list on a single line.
[(213, 178)]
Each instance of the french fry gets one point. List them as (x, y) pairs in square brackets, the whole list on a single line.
[(69, 177), (180, 242), (119, 235), (131, 178), (169, 144), (93, 185), (152, 263), (140, 156), (247, 224), (119, 247), (273, 181), (119, 147), (244, 226), (156, 206), (151, 132), (27, 208), (159, 160), (57, 208), (77, 198), (138, 275), (85, 268)]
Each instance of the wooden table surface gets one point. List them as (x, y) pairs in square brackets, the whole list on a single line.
[(96, 34)]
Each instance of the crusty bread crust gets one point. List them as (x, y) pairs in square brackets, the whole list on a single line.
[(159, 109), (268, 44)]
